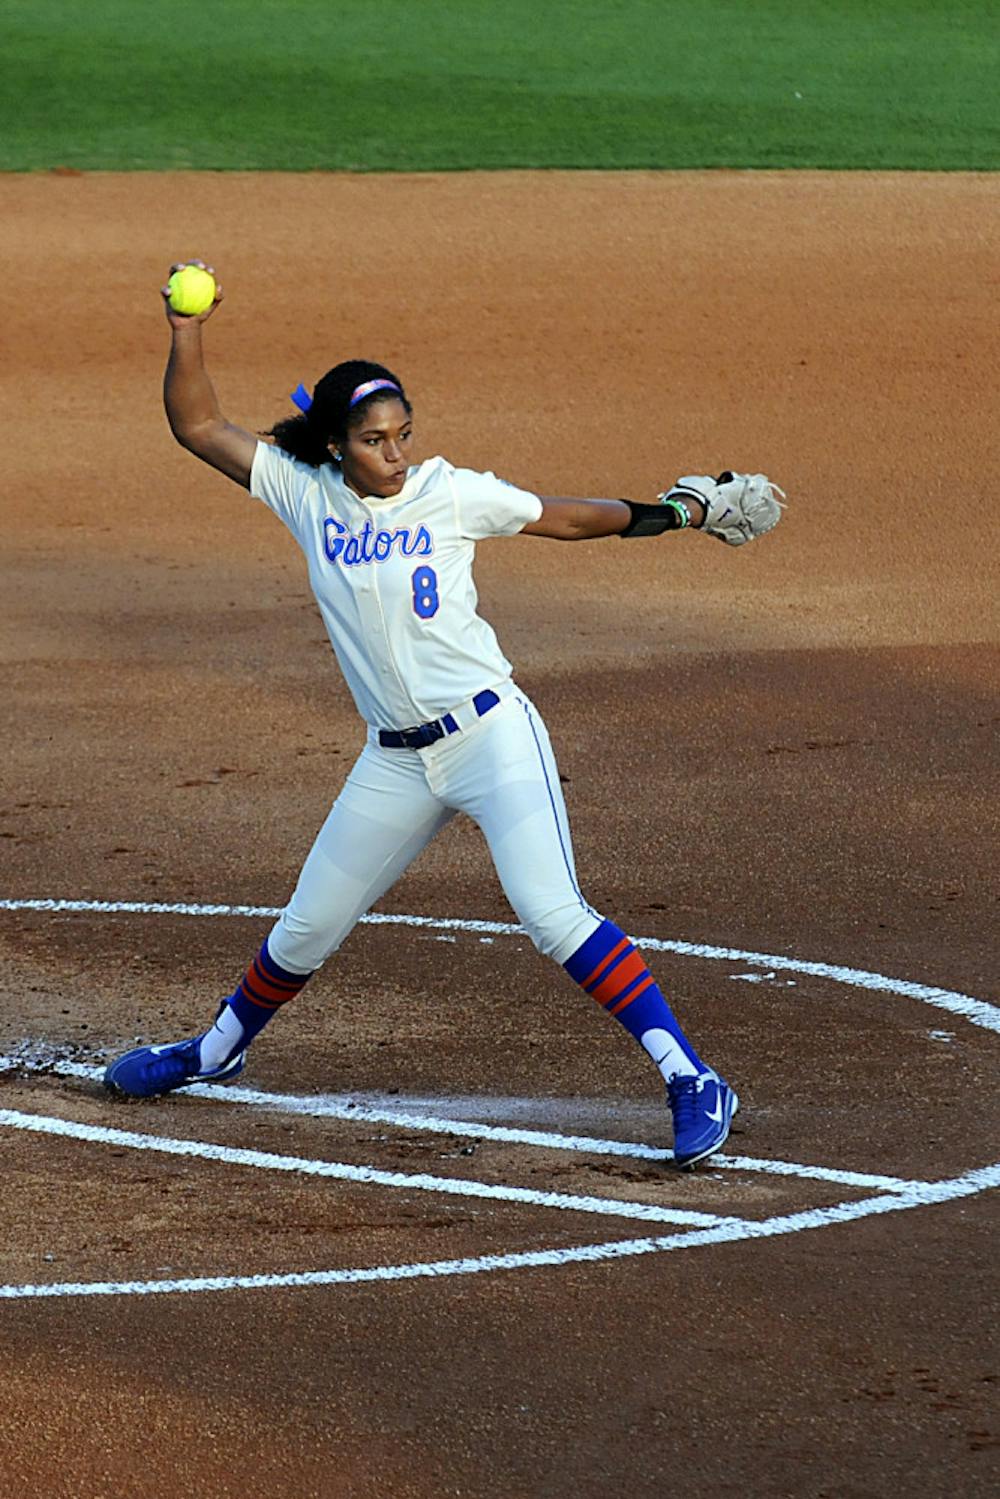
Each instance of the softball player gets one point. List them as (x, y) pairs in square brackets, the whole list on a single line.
[(389, 545)]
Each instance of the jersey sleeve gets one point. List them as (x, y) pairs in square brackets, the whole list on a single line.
[(282, 482), (488, 506)]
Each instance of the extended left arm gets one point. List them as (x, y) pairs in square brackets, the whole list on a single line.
[(734, 508), (583, 520)]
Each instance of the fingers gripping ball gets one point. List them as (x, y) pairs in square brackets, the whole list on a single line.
[(192, 290)]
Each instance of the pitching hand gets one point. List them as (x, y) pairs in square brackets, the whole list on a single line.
[(182, 319)]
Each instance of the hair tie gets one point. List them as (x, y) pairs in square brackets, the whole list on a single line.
[(359, 393), (301, 398)]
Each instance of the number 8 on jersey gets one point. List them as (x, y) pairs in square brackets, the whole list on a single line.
[(425, 594)]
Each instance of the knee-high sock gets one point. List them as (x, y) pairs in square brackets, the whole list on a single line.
[(610, 968), (260, 993)]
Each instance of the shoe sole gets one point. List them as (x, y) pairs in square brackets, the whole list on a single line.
[(689, 1162)]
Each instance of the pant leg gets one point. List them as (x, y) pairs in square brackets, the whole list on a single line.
[(382, 819), (504, 775), (508, 781)]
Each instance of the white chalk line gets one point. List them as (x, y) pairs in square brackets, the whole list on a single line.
[(321, 1107), (899, 1194), (231, 1155), (732, 1231), (976, 1011)]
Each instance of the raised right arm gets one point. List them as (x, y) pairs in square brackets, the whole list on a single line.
[(191, 403)]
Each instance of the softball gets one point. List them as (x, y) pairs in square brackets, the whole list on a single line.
[(192, 290)]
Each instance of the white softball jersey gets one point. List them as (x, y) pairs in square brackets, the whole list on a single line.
[(393, 578)]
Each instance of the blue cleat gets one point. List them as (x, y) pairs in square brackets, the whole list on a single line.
[(150, 1070), (702, 1107)]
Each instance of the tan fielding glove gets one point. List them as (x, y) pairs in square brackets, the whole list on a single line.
[(738, 507)]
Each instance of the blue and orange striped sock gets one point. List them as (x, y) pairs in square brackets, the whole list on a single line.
[(610, 968), (260, 993)]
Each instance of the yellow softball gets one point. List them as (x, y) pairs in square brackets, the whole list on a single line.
[(192, 290)]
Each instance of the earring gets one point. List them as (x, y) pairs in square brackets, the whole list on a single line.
[(337, 456)]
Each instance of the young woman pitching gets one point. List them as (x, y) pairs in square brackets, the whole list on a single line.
[(389, 543)]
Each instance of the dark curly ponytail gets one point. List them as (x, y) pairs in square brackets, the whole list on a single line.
[(333, 410)]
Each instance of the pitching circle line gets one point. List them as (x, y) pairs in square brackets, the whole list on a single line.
[(977, 1012), (965, 1006)]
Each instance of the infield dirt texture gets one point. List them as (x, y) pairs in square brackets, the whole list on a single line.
[(785, 757)]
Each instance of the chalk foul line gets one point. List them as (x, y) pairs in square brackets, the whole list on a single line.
[(325, 1107), (232, 1155), (976, 1011), (699, 1228), (725, 1231)]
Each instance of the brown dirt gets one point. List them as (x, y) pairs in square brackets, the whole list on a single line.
[(791, 749)]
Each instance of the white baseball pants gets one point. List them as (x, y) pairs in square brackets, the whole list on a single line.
[(501, 771)]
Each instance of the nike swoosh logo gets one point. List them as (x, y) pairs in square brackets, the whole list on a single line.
[(716, 1114)]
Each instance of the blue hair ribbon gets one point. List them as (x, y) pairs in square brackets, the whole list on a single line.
[(301, 398)]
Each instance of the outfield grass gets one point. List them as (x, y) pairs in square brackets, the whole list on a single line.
[(398, 85)]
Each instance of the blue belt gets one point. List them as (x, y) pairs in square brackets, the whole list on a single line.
[(429, 733)]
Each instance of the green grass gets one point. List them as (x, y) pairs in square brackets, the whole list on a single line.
[(438, 84)]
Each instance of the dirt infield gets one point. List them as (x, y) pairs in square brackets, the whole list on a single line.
[(781, 767)]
